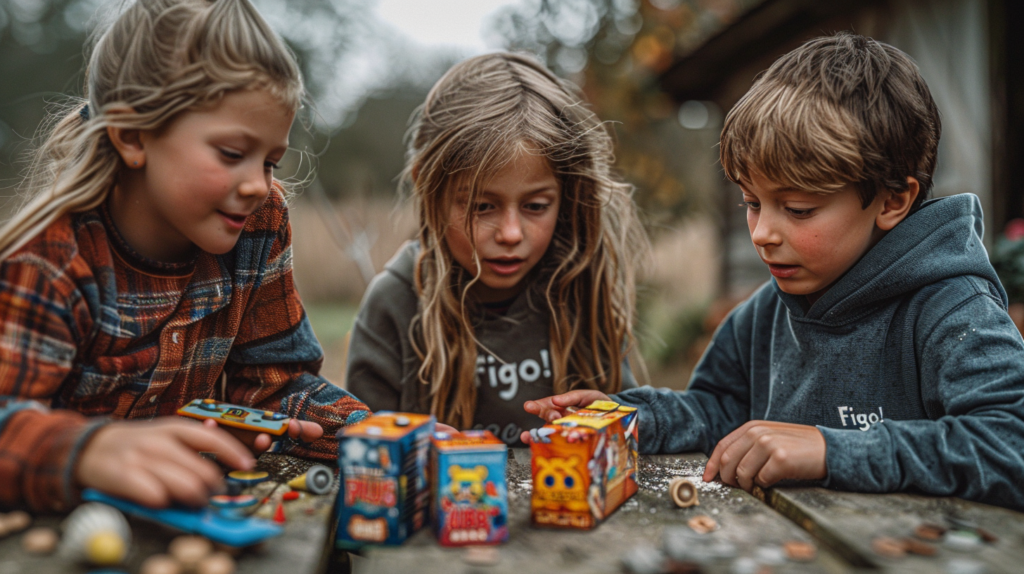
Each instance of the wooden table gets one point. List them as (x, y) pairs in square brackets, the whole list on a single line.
[(300, 550), (841, 524)]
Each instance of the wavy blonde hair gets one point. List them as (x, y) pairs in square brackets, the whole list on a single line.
[(475, 120), (158, 59)]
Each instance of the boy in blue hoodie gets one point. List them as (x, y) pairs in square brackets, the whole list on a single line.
[(880, 357)]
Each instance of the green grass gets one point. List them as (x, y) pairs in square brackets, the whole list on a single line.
[(331, 320)]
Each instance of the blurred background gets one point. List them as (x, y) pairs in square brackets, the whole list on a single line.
[(662, 72)]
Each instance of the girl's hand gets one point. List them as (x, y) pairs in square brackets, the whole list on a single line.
[(305, 431), (156, 463), (764, 452), (441, 427), (556, 407)]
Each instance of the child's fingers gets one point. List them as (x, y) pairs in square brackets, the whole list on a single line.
[(525, 437), (175, 452), (752, 463), (713, 467), (141, 486), (181, 484), (202, 438), (306, 431), (580, 398)]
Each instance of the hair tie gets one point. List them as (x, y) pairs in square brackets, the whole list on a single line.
[(84, 112)]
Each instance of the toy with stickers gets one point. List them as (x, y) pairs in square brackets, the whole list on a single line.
[(384, 493), (584, 466), (470, 498)]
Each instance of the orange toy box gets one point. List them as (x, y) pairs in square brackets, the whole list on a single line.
[(584, 466)]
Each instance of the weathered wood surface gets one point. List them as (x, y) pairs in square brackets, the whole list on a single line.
[(848, 522), (640, 523), (300, 550)]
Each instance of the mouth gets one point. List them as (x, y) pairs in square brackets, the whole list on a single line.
[(234, 220), (783, 271), (505, 265)]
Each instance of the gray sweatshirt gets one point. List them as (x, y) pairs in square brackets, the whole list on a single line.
[(909, 365), (513, 362)]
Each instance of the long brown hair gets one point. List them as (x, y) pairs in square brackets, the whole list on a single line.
[(159, 58), (479, 116)]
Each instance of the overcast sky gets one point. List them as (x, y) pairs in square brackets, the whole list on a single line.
[(437, 23)]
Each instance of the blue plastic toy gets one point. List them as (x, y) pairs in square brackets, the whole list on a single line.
[(203, 521)]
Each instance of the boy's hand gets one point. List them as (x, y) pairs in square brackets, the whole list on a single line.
[(156, 463), (305, 431), (556, 407), (765, 452)]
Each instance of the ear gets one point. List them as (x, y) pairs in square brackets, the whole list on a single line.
[(896, 206), (129, 144)]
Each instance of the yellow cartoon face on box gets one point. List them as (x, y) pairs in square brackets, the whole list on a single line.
[(559, 483)]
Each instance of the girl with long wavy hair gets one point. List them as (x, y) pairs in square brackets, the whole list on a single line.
[(151, 266), (521, 282)]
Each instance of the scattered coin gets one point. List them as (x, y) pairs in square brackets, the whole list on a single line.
[(702, 524), (799, 551), (481, 555), (888, 547), (930, 531), (40, 541), (915, 546), (160, 564), (683, 492)]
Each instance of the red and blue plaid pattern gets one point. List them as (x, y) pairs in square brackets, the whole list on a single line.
[(92, 329)]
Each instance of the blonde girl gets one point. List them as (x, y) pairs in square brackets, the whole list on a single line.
[(522, 280), (152, 266)]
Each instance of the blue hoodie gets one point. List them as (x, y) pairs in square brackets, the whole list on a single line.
[(909, 366)]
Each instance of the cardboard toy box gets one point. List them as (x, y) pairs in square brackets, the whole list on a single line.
[(470, 498), (384, 492), (584, 466)]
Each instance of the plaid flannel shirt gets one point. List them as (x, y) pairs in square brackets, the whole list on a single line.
[(93, 331)]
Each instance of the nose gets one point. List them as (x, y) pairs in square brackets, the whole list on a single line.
[(764, 229), (256, 183), (510, 229)]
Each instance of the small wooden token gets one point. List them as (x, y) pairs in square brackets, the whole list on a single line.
[(160, 564), (40, 541), (929, 531), (17, 521), (888, 547), (915, 546), (189, 550), (216, 563), (702, 524), (248, 477), (800, 551), (683, 492), (480, 555), (986, 535)]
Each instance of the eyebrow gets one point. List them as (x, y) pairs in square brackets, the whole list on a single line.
[(251, 139)]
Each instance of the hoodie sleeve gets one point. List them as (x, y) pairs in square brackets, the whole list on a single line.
[(971, 368), (374, 372), (716, 402)]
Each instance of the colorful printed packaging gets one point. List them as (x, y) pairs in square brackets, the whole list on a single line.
[(584, 466), (384, 493), (470, 499)]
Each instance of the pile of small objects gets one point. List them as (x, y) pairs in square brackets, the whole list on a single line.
[(957, 535), (686, 550)]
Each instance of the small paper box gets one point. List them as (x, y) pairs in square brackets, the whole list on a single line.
[(384, 493), (470, 497), (584, 466)]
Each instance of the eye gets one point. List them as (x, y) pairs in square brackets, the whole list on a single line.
[(270, 165), (536, 207), (483, 207), (752, 205), (549, 481), (229, 154), (569, 482), (800, 212)]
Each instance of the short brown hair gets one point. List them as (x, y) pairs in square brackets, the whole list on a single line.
[(837, 110)]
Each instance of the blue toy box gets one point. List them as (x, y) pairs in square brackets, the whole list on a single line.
[(470, 498), (384, 493)]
